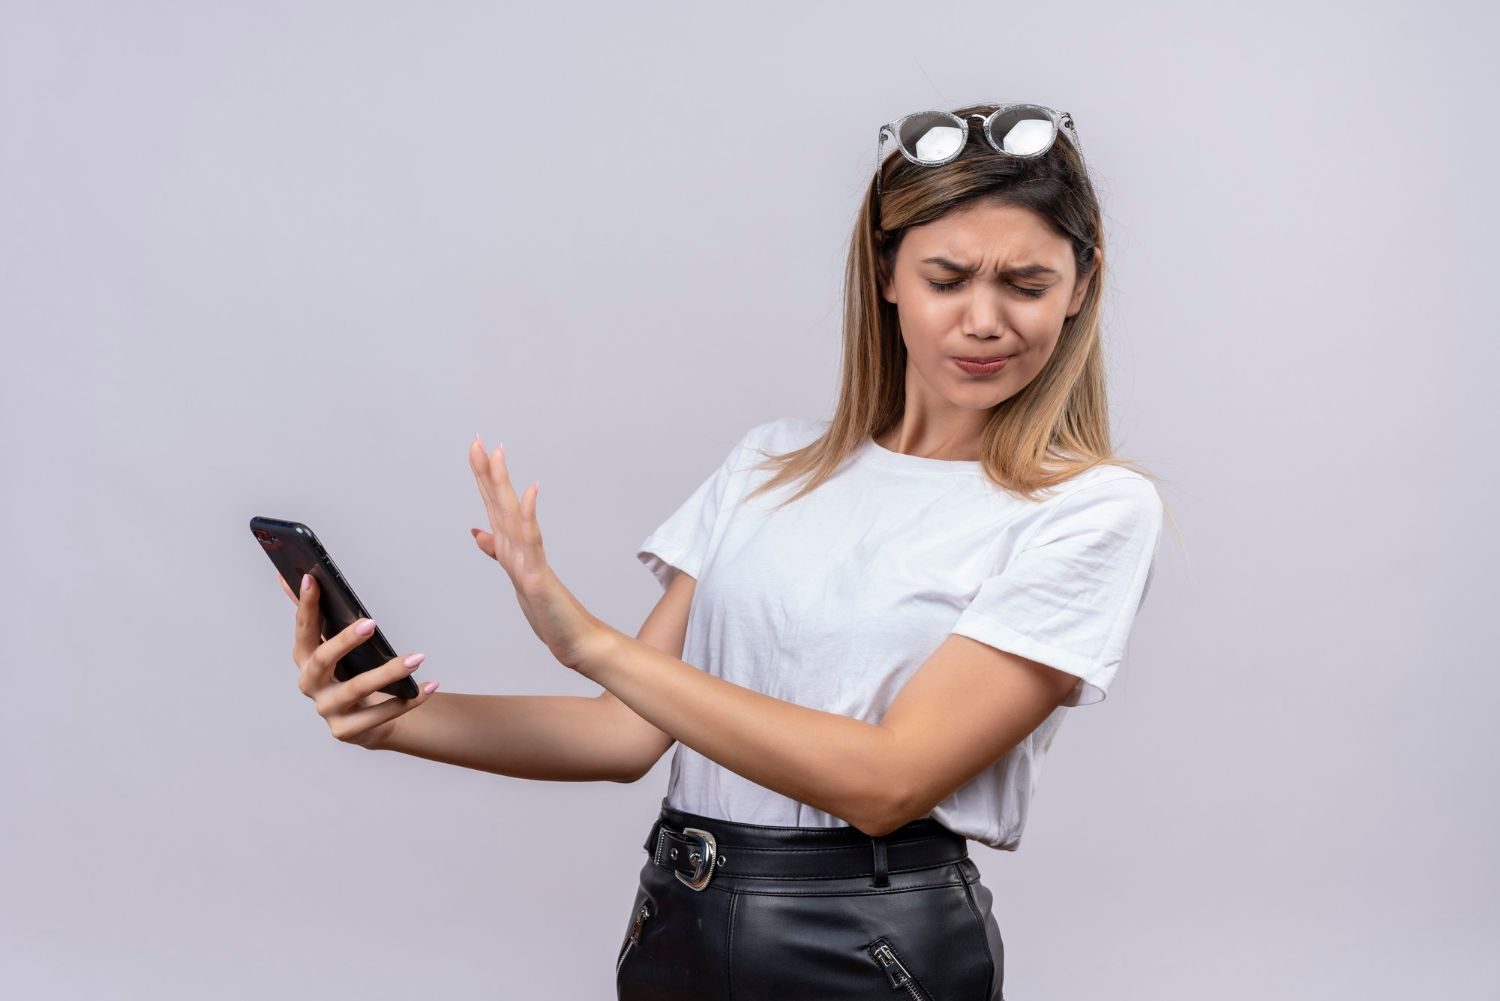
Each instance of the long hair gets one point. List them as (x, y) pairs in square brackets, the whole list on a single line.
[(1054, 428)]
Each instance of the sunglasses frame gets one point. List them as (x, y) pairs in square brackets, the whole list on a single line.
[(1062, 124)]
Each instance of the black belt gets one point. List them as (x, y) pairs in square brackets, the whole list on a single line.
[(697, 854)]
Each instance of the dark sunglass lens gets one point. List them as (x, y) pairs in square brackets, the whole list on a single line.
[(932, 136), (1023, 131)]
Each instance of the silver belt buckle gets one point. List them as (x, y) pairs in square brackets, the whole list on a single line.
[(703, 862)]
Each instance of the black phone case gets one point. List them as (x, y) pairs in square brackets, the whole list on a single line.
[(294, 549)]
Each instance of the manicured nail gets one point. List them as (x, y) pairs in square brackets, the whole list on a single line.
[(306, 581), (430, 687), (414, 659), (365, 627)]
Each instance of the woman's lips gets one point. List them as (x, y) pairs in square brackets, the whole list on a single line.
[(982, 368)]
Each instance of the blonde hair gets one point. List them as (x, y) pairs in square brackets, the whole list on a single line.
[(1057, 426)]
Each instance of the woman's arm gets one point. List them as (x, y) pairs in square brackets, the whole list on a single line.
[(558, 738)]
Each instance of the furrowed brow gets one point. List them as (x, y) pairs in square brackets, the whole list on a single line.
[(1018, 271)]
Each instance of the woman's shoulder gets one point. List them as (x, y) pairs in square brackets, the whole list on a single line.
[(1105, 491), (783, 434), (1107, 475)]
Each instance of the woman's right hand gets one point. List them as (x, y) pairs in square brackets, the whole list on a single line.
[(356, 711)]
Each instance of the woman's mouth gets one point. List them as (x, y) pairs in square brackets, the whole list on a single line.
[(982, 368)]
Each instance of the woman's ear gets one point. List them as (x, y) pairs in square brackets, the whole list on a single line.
[(1081, 289)]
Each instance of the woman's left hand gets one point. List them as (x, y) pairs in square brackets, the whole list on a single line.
[(515, 542)]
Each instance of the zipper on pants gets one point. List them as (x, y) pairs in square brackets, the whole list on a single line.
[(635, 935), (896, 972)]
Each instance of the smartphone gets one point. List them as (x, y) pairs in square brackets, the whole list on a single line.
[(294, 549)]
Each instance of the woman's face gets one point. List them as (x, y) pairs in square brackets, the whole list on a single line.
[(966, 286)]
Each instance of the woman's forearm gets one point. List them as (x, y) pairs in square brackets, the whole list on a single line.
[(844, 766), (558, 738)]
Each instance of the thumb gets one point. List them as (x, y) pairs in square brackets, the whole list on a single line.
[(485, 541)]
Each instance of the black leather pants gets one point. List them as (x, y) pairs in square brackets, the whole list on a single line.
[(825, 914)]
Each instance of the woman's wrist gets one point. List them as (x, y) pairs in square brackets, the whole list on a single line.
[(391, 741), (602, 646)]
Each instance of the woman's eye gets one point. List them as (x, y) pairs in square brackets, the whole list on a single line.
[(1030, 293)]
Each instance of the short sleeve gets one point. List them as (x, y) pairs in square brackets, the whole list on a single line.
[(1069, 598), (681, 542)]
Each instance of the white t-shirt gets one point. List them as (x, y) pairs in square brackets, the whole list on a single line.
[(836, 600)]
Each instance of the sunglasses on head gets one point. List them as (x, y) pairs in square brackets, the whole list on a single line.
[(930, 138)]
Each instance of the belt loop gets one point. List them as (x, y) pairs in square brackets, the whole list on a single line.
[(882, 874), (653, 840)]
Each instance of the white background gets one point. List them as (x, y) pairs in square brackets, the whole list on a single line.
[(287, 258)]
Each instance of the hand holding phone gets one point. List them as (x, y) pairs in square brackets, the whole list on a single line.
[(341, 666), (354, 710)]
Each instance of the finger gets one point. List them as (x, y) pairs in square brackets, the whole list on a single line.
[(317, 670), (501, 506), (500, 488), (530, 530), (308, 633), (485, 541), (342, 698), (370, 717), (479, 465), (528, 511)]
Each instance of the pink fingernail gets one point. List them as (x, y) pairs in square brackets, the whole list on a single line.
[(430, 687), (414, 659), (365, 627), (306, 581)]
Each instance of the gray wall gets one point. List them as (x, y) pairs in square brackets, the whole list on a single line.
[(285, 259)]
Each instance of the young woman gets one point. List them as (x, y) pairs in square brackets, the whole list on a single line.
[(870, 625)]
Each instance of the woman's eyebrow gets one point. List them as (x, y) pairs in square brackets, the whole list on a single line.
[(1018, 271)]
